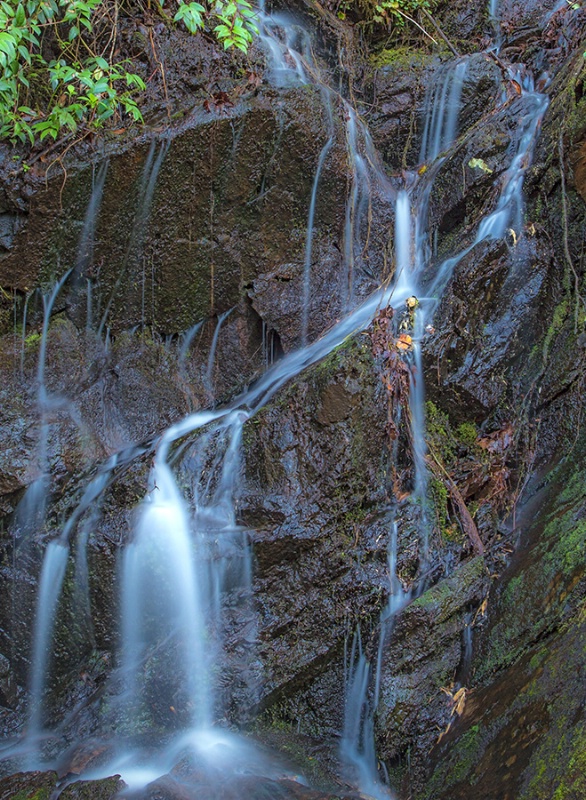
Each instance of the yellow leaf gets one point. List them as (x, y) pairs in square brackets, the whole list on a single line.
[(478, 162)]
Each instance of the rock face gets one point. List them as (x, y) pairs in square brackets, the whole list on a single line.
[(190, 280)]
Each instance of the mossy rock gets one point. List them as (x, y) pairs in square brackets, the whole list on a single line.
[(28, 786), (106, 789)]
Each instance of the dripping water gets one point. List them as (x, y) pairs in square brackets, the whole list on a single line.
[(134, 254), (311, 216), (209, 375)]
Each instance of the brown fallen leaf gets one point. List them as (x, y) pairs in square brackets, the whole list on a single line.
[(404, 342)]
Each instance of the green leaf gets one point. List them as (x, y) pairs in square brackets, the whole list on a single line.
[(24, 53), (8, 44)]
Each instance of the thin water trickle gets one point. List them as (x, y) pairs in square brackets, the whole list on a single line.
[(50, 583), (187, 339), (311, 217), (23, 335), (209, 374), (85, 246), (495, 20), (441, 111), (358, 747), (134, 254), (30, 512), (356, 205)]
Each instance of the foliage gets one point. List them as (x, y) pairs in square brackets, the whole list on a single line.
[(397, 11), (233, 21), (83, 85), (40, 97), (387, 12)]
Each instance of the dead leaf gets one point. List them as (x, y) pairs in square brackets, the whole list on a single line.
[(443, 733), (459, 700), (404, 342)]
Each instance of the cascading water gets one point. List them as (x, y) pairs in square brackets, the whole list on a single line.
[(187, 550), (285, 44), (412, 253)]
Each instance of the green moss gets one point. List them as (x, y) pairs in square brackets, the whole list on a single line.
[(439, 432), (40, 794), (467, 433), (558, 562), (459, 765), (562, 776), (400, 57), (439, 496), (32, 340), (446, 596), (557, 321)]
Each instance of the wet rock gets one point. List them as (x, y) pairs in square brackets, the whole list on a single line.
[(104, 789), (412, 704), (530, 668), (9, 224), (251, 787), (314, 460), (28, 786), (252, 171), (8, 687), (400, 88), (492, 303)]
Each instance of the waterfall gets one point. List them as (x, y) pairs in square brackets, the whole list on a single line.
[(161, 594), (187, 552), (50, 583)]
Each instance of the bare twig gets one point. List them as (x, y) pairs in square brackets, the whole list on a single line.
[(439, 32), (414, 21), (466, 520)]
